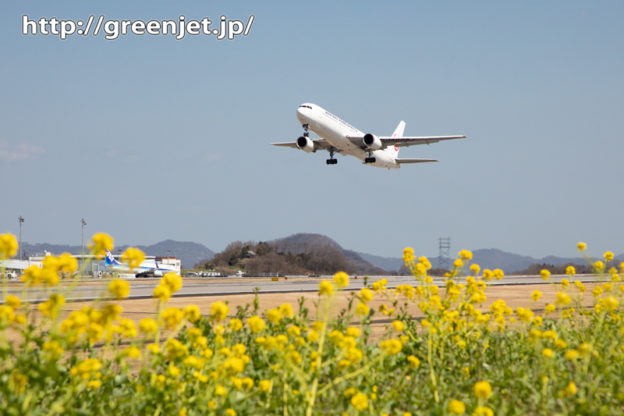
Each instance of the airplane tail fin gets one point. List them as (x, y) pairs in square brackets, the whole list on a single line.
[(110, 260), (398, 132)]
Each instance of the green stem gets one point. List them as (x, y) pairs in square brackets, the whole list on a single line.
[(319, 351), (432, 375)]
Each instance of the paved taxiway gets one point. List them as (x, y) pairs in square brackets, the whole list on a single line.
[(89, 289)]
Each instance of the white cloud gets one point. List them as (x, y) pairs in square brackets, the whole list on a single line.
[(15, 152)]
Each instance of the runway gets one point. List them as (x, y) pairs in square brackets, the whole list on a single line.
[(91, 289)]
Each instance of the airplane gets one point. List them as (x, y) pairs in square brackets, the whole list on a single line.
[(338, 136), (146, 268)]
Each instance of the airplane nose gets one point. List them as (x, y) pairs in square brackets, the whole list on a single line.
[(302, 114)]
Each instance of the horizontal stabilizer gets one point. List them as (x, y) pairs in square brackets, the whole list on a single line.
[(415, 160), (288, 144)]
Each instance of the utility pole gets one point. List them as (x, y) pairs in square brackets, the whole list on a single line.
[(444, 256), (21, 250), (83, 223)]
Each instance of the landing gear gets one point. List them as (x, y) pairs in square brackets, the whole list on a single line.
[(331, 160), (306, 133), (370, 158)]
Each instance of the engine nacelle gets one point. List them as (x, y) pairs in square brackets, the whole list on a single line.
[(158, 273), (372, 142), (305, 144)]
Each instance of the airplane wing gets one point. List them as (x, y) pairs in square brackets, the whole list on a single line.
[(404, 141), (319, 144), (415, 160)]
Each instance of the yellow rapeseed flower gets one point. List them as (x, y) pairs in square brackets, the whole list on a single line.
[(498, 274), (608, 255), (53, 349), (414, 361), (100, 243), (162, 292), (362, 309), (487, 274), (286, 310), (483, 411), (274, 315), (148, 326), (391, 346), (366, 295), (547, 353), (8, 246), (570, 389), (119, 288), (536, 295), (173, 281), (581, 246), (172, 317), (235, 324), (341, 279), (545, 274), (51, 306), (359, 401), (565, 282), (131, 352), (482, 389), (264, 385), (599, 266), (13, 301), (326, 288), (571, 355), (220, 390), (6, 314), (458, 263), (219, 311), (230, 412), (256, 324), (398, 326), (563, 298), (408, 256), (191, 313), (133, 257), (475, 269), (465, 254), (66, 264), (456, 407), (353, 332)]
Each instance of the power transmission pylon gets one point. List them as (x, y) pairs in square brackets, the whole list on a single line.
[(444, 254)]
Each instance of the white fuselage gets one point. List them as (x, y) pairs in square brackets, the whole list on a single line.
[(335, 131)]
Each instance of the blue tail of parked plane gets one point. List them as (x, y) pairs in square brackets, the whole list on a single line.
[(110, 260)]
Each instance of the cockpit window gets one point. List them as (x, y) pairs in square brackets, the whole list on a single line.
[(306, 106)]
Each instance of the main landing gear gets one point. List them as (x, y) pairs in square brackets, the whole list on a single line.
[(306, 133), (331, 160), (370, 158)]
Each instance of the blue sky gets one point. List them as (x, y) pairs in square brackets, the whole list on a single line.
[(149, 138)]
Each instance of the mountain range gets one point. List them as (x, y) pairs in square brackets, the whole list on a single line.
[(191, 253)]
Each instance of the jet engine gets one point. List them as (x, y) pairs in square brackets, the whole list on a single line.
[(158, 273), (372, 142), (305, 144)]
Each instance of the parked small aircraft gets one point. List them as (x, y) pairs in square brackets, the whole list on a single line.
[(146, 268)]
